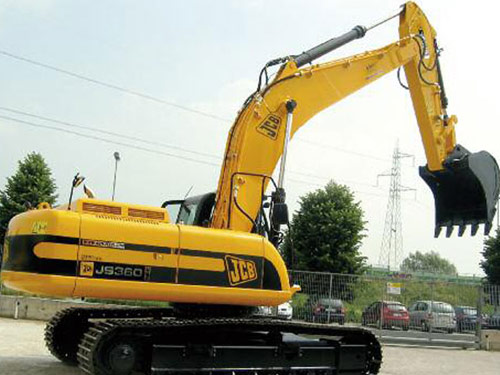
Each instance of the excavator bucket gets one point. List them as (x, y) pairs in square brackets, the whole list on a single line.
[(465, 191)]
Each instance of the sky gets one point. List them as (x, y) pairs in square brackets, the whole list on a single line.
[(175, 74)]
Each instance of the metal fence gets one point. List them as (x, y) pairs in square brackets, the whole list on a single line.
[(399, 305)]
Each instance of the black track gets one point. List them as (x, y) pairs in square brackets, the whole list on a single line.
[(65, 330), (151, 333)]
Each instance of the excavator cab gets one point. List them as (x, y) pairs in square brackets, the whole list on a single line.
[(465, 191), (195, 210)]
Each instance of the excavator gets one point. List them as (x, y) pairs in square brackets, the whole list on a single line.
[(218, 259)]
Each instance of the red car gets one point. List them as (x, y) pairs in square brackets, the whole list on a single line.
[(394, 314)]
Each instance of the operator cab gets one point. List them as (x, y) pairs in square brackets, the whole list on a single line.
[(195, 210), (198, 211)]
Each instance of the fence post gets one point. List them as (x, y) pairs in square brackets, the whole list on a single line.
[(1, 262), (330, 298), (431, 319), (381, 312), (479, 318)]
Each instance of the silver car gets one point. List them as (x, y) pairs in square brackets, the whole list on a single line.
[(285, 311), (433, 315)]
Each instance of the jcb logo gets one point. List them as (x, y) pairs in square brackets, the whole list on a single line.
[(240, 271), (39, 227), (270, 126), (87, 269)]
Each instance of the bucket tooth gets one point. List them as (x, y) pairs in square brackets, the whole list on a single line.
[(487, 228), (437, 231), (449, 231), (461, 230), (473, 229)]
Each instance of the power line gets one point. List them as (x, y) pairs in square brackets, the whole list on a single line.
[(108, 141), (111, 86), (344, 150), (146, 141), (155, 151), (332, 178), (322, 186), (162, 101), (137, 139)]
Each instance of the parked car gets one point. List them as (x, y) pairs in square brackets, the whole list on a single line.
[(285, 311), (394, 314), (493, 322), (264, 311), (433, 315), (467, 318), (329, 310)]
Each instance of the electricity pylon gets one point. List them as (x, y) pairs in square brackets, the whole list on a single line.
[(391, 250)]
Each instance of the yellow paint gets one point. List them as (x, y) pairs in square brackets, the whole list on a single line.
[(201, 264), (62, 286), (59, 222), (127, 257), (51, 250), (101, 288), (48, 285)]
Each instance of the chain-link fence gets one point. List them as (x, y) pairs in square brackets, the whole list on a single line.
[(490, 308), (399, 302)]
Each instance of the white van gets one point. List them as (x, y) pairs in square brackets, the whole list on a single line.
[(433, 315)]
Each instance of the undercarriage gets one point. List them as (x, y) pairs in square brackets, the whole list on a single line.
[(123, 341)]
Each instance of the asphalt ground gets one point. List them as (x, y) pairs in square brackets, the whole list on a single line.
[(23, 352)]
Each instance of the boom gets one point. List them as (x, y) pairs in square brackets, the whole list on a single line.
[(255, 142)]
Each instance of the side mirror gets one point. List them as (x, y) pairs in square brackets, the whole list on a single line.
[(88, 192), (280, 214), (77, 180)]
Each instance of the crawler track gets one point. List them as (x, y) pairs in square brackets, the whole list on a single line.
[(65, 330), (151, 341)]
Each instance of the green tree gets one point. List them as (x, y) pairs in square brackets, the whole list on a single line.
[(30, 185), (491, 255), (428, 262), (326, 232)]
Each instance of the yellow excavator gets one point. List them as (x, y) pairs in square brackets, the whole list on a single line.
[(218, 259)]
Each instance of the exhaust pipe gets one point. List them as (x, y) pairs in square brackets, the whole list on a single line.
[(465, 191)]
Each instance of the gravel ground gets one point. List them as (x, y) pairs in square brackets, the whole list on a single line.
[(23, 352)]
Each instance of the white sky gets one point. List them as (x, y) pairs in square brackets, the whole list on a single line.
[(206, 56)]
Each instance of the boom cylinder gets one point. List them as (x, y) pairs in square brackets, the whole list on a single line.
[(334, 43), (328, 46), (290, 106)]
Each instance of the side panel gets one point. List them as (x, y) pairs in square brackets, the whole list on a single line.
[(40, 254), (220, 258), (120, 249), (63, 253), (275, 271)]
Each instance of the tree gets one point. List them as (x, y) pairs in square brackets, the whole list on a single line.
[(30, 185), (428, 262), (326, 232), (491, 255)]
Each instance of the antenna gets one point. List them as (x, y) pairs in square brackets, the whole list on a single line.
[(189, 191)]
